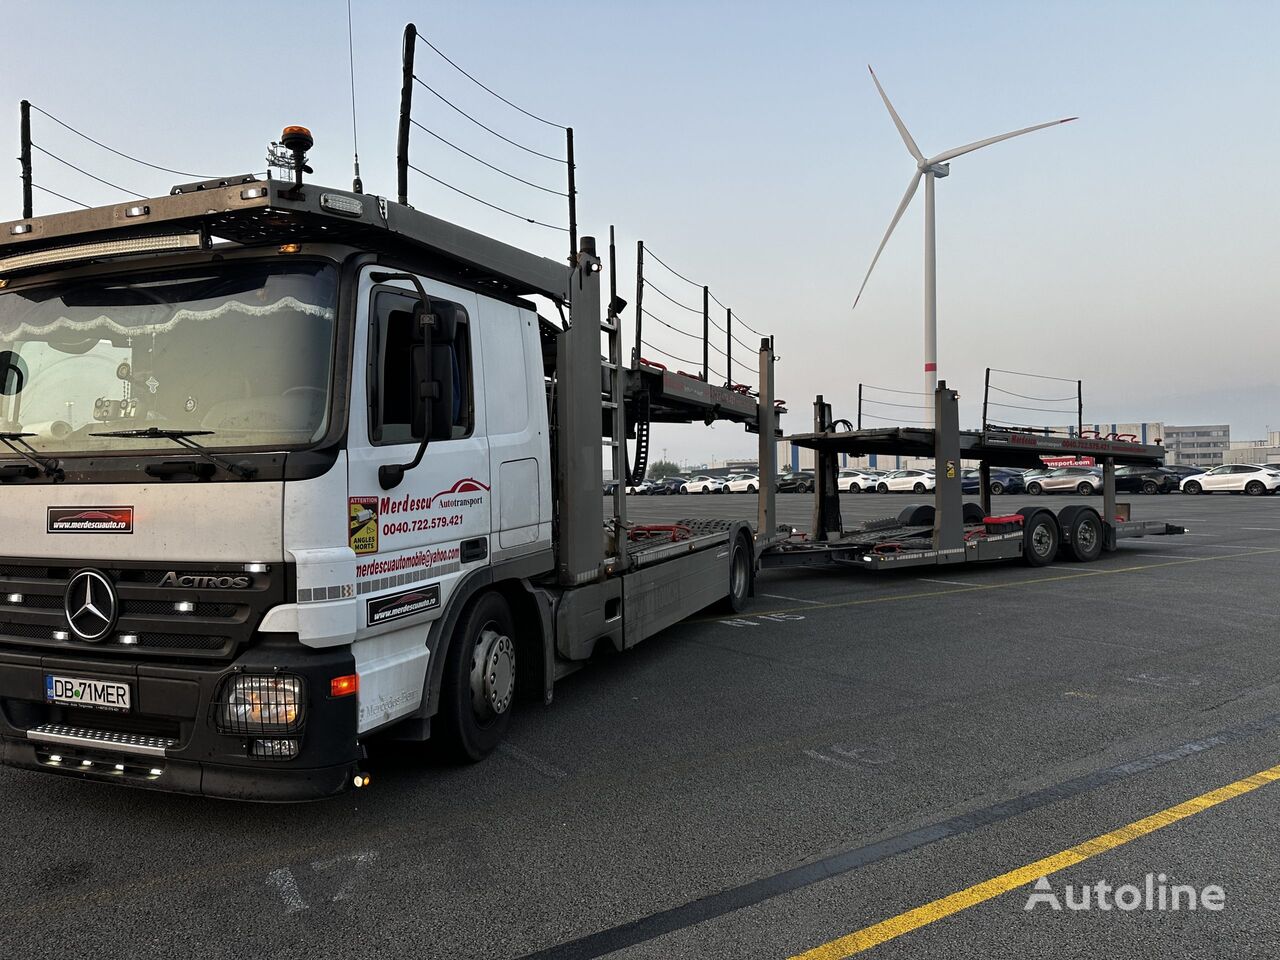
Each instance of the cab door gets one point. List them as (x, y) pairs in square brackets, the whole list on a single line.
[(414, 542)]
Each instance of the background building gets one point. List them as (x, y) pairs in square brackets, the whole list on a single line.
[(1254, 451), (1202, 445)]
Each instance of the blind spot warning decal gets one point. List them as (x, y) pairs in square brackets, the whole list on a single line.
[(362, 520)]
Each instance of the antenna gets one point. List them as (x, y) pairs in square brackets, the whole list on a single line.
[(356, 185)]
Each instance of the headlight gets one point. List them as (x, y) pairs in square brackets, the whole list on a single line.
[(261, 704)]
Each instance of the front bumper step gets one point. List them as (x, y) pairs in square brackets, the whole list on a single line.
[(136, 743)]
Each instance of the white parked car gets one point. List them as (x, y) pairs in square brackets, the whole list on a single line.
[(856, 481), (1250, 478), (744, 483), (904, 481), (705, 484)]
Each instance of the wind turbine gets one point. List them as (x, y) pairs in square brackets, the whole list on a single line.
[(930, 168)]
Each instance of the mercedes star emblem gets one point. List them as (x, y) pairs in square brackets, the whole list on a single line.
[(90, 605)]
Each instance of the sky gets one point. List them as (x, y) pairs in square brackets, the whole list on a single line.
[(1134, 249)]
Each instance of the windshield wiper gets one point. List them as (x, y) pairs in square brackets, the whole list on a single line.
[(183, 439), (17, 442)]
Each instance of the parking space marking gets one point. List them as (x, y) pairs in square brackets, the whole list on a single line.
[(894, 927), (952, 583), (775, 596), (1267, 529)]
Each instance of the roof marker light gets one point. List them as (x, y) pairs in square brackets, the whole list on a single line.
[(337, 203), (141, 210), (18, 229)]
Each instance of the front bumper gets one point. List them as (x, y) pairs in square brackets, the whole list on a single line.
[(174, 705)]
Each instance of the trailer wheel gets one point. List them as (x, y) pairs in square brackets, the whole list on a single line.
[(740, 575), (1191, 487), (1040, 537), (1084, 531), (479, 681), (1255, 488), (1034, 489), (997, 487)]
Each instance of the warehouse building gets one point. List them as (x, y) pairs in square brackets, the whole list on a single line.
[(1202, 445)]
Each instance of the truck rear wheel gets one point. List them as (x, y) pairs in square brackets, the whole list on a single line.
[(479, 683), (740, 572), (1040, 537), (1081, 533)]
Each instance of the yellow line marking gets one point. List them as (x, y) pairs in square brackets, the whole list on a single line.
[(885, 930), (991, 586)]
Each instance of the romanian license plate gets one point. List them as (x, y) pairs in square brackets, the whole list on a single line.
[(82, 692)]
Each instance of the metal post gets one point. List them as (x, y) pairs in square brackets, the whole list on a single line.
[(986, 395), (25, 159), (406, 106), (706, 334), (728, 345), (984, 480), (826, 491), (948, 498), (637, 353), (573, 197), (930, 302), (859, 406), (1079, 407), (767, 419)]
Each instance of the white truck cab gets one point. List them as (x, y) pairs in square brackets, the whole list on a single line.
[(328, 478)]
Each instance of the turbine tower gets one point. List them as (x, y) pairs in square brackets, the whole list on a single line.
[(931, 169)]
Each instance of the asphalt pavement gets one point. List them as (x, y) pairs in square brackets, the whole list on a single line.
[(854, 761)]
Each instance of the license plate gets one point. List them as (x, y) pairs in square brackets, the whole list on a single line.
[(82, 692)]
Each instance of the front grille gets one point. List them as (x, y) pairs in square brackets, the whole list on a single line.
[(219, 621)]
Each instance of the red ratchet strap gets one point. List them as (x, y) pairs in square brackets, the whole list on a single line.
[(653, 363), (891, 546), (1017, 518), (648, 531)]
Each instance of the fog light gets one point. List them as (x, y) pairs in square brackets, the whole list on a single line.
[(184, 606), (128, 639), (60, 635), (274, 749), (86, 763), (55, 758), (256, 568), (119, 768), (14, 598), (155, 772)]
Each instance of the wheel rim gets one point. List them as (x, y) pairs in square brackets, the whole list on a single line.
[(1087, 536), (1042, 539), (997, 489), (1085, 489), (1193, 488), (1149, 488), (1253, 489), (1033, 489), (493, 673), (738, 578)]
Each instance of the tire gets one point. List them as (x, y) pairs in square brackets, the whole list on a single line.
[(1150, 488), (802, 488), (1084, 530), (997, 488), (855, 488), (882, 488), (1040, 537), (479, 683), (1255, 488), (1034, 489), (1192, 488), (741, 576), (751, 488), (1085, 488), (918, 488)]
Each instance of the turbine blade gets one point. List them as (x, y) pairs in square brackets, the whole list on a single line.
[(897, 215), (897, 120), (969, 148)]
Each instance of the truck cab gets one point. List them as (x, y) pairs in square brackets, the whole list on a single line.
[(284, 468)]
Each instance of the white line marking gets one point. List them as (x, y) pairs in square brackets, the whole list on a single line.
[(776, 596), (529, 760), (1267, 529), (950, 583), (285, 884), (1199, 534)]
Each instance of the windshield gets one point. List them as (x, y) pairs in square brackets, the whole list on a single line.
[(240, 349)]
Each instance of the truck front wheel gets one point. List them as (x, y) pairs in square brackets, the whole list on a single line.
[(479, 681)]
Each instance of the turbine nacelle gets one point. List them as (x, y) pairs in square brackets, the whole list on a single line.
[(939, 170)]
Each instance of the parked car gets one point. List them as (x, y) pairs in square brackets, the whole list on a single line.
[(640, 489), (744, 483), (609, 487), (800, 482), (856, 481), (666, 486), (704, 484), (1004, 480), (1273, 466), (1085, 481), (1251, 478), (1133, 479), (903, 481), (1182, 470)]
